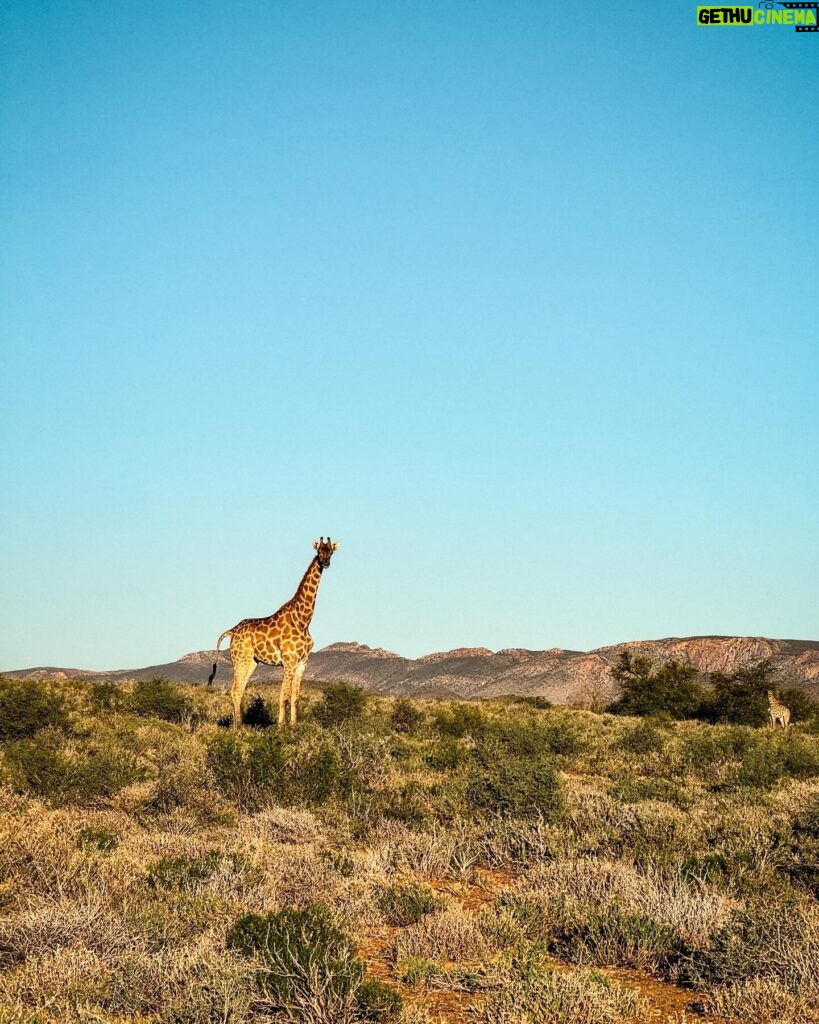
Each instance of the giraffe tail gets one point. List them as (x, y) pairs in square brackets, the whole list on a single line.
[(212, 675)]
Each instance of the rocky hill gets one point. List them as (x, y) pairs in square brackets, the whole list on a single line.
[(562, 676)]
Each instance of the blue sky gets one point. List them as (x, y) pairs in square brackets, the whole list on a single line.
[(514, 299)]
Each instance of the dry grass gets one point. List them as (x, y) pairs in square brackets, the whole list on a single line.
[(115, 909)]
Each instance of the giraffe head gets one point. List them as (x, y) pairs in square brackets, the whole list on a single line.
[(324, 551)]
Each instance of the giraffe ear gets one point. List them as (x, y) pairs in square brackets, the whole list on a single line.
[(336, 544), (315, 545)]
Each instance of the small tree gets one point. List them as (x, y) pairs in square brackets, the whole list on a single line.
[(741, 698), (28, 705), (802, 707), (405, 716), (340, 702), (649, 689)]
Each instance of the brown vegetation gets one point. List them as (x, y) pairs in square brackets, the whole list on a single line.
[(424, 862)]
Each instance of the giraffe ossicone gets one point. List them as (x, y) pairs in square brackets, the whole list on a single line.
[(282, 638)]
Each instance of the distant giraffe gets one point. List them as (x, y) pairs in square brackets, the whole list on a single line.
[(777, 712), (280, 639)]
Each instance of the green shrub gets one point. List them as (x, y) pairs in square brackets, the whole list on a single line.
[(763, 939), (101, 839), (44, 767), (310, 969), (536, 702), (514, 738), (775, 755), (804, 860), (248, 769), (319, 776), (28, 705), (672, 687), (643, 738), (459, 721), (406, 717), (257, 714), (714, 746), (634, 789), (405, 903), (340, 703), (563, 738), (536, 993), (376, 1001), (446, 754), (183, 872), (157, 698), (741, 698), (613, 935), (800, 755), (409, 804), (802, 707), (512, 784), (340, 861), (105, 696)]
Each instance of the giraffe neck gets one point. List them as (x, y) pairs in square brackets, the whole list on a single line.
[(303, 601)]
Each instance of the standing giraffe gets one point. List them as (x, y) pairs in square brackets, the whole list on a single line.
[(777, 712), (280, 639)]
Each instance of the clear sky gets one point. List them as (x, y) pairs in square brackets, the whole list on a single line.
[(516, 300)]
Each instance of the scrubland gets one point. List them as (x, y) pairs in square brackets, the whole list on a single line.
[(399, 861)]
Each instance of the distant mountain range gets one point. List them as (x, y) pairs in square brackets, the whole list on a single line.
[(560, 675)]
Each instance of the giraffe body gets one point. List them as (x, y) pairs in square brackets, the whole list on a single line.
[(777, 712), (279, 639)]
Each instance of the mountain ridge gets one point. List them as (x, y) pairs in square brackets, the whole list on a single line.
[(561, 675)]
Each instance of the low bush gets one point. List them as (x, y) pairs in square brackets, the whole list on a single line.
[(157, 698), (340, 703), (45, 767), (105, 696), (774, 755), (405, 903), (762, 940), (536, 702), (459, 721), (409, 804), (534, 992), (256, 713), (406, 717), (183, 872), (378, 1002), (248, 769), (505, 783), (446, 754), (310, 972), (319, 776), (27, 706), (644, 738), (614, 935), (632, 790), (101, 839), (709, 748)]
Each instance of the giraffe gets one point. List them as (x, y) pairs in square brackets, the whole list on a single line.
[(777, 712), (280, 639)]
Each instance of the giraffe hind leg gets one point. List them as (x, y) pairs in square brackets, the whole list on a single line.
[(244, 665)]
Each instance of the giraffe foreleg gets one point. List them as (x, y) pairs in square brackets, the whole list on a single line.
[(286, 690), (295, 692)]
